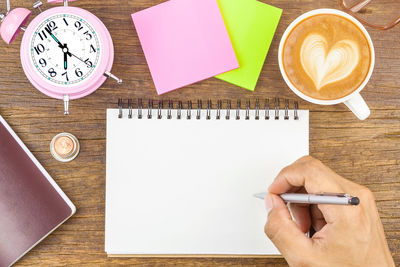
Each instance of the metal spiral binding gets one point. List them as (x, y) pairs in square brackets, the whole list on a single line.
[(267, 109), (257, 109), (277, 102), (248, 110), (228, 110), (199, 108), (140, 109), (189, 110), (150, 109), (160, 107), (286, 109), (219, 107), (209, 109), (120, 108), (179, 115), (238, 107), (130, 108), (170, 107)]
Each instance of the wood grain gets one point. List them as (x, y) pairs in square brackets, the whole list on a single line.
[(365, 152)]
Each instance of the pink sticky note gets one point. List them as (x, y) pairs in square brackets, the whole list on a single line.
[(184, 41)]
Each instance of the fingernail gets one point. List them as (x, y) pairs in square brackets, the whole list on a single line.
[(269, 203)]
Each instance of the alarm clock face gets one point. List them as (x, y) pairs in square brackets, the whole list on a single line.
[(65, 50)]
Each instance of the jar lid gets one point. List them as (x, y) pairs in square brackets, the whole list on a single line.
[(64, 147)]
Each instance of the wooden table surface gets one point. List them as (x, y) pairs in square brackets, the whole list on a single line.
[(366, 152)]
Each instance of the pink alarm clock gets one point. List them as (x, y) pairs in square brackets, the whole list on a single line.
[(66, 52)]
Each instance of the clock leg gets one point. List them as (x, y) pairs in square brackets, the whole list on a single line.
[(66, 104), (112, 76)]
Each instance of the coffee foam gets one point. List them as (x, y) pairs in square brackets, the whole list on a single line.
[(326, 57), (326, 67)]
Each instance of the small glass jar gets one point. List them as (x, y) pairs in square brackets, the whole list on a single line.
[(64, 147)]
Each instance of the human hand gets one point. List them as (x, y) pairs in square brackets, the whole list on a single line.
[(345, 235)]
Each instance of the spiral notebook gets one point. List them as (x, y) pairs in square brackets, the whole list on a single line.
[(181, 176)]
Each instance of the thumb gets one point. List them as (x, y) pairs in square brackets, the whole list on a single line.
[(283, 231)]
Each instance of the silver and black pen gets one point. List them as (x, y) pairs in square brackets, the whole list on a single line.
[(323, 198)]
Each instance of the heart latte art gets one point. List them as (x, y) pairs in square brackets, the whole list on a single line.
[(324, 65), (326, 57)]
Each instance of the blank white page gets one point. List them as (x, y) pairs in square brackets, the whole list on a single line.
[(186, 187)]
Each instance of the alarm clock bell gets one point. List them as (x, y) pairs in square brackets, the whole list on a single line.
[(14, 21)]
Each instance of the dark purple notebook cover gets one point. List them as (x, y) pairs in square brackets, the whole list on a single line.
[(30, 205)]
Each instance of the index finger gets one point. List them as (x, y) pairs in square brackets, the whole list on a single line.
[(309, 173), (315, 177)]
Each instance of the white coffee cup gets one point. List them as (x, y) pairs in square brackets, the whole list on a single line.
[(354, 101)]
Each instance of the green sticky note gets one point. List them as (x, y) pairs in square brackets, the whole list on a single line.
[(251, 26)]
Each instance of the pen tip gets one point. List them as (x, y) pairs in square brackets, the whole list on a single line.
[(260, 195), (354, 201)]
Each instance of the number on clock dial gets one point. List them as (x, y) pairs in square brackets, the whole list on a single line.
[(51, 26), (39, 49), (49, 44)]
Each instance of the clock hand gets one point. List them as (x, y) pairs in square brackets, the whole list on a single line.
[(65, 61), (107, 73), (66, 51), (55, 39), (70, 54)]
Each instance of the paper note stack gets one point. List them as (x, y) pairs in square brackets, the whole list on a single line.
[(187, 41)]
